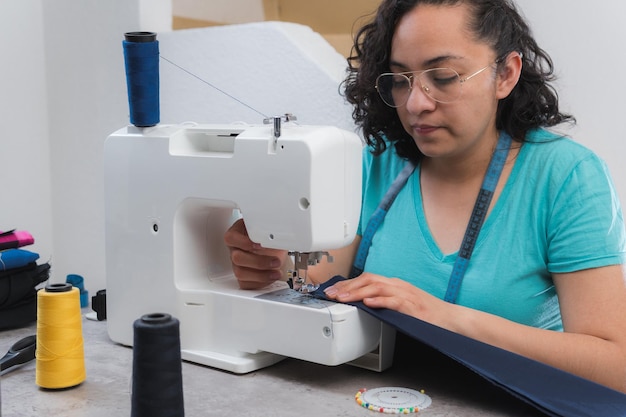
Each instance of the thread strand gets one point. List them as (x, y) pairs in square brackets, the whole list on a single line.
[(214, 87)]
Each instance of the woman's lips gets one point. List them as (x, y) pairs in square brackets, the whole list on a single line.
[(424, 129)]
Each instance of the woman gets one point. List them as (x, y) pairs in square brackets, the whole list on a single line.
[(460, 91)]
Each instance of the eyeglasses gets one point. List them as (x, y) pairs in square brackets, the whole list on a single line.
[(443, 85)]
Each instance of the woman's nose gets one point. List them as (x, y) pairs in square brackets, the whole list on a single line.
[(419, 100)]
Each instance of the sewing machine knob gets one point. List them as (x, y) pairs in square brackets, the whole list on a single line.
[(327, 331)]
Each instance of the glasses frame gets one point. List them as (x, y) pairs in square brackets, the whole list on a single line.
[(411, 76)]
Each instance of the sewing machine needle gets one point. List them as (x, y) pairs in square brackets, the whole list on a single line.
[(306, 287)]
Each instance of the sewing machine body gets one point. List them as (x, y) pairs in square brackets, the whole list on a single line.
[(171, 191)]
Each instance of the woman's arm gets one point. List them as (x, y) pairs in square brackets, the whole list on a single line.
[(343, 259), (593, 307)]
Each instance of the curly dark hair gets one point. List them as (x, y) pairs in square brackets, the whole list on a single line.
[(533, 103)]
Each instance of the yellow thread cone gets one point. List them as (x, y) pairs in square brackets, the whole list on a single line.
[(59, 352)]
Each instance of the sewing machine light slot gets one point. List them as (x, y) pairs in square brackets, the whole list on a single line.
[(204, 142)]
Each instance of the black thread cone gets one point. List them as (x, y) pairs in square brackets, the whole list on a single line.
[(157, 368)]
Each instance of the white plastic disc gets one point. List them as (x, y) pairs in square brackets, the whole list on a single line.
[(393, 400)]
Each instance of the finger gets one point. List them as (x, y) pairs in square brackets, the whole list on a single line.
[(250, 279), (270, 253), (354, 289), (237, 237), (250, 260), (391, 303)]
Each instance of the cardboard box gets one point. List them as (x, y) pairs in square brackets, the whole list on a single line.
[(336, 20)]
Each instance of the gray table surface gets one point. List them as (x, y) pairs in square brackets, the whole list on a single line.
[(289, 388)]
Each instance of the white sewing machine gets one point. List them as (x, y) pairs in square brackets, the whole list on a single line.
[(171, 191)]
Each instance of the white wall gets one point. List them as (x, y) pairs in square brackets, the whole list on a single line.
[(63, 91), (585, 40), (25, 202), (86, 101)]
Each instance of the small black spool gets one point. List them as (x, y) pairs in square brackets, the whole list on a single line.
[(157, 367), (140, 37), (60, 287)]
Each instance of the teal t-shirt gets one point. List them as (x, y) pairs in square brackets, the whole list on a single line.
[(558, 212)]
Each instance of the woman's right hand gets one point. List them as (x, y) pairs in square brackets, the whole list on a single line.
[(254, 266)]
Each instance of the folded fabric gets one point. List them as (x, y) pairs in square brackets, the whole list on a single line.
[(15, 239), (550, 390), (12, 271), (16, 258), (19, 283), (21, 314)]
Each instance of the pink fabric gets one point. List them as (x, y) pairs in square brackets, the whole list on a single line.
[(15, 239)]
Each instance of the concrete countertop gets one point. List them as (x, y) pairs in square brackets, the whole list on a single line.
[(289, 388)]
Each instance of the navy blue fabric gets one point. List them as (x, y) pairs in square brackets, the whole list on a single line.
[(552, 391)]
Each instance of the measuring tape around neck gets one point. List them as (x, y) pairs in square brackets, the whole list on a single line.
[(498, 159)]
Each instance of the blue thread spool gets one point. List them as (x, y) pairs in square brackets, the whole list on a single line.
[(141, 57), (79, 282)]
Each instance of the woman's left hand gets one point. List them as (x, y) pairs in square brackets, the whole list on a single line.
[(392, 293)]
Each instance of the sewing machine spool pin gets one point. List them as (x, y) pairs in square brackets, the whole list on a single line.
[(277, 121)]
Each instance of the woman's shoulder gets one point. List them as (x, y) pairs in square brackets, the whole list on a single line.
[(379, 172), (543, 138), (559, 151), (388, 163), (556, 160)]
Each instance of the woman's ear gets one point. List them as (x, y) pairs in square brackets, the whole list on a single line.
[(509, 72)]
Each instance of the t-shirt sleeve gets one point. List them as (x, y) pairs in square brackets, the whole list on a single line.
[(586, 224)]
